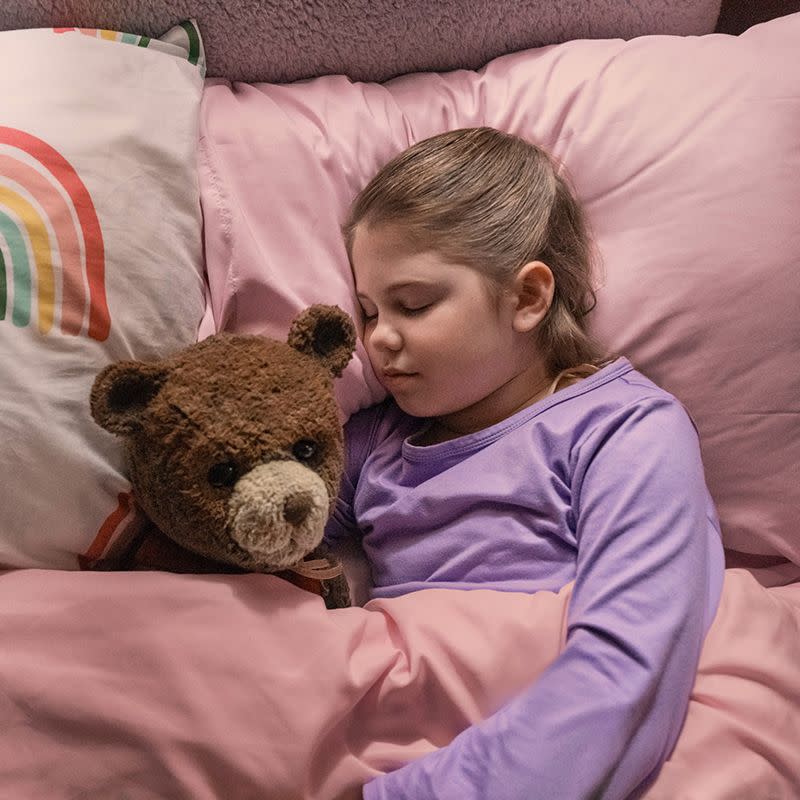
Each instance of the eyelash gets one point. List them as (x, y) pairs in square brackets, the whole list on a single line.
[(404, 310), (413, 312)]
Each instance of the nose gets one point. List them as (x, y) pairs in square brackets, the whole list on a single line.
[(385, 336), (297, 507)]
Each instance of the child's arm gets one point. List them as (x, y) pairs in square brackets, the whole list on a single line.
[(603, 718), (359, 433)]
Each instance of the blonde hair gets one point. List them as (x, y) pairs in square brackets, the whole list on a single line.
[(493, 202)]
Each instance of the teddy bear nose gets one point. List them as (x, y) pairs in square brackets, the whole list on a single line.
[(296, 507)]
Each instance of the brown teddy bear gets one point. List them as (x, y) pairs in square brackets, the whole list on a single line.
[(235, 451)]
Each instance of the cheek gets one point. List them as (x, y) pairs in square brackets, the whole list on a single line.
[(445, 340)]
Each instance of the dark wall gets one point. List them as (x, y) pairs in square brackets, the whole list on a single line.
[(738, 15)]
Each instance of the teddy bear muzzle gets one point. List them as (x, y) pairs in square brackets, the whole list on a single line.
[(277, 513)]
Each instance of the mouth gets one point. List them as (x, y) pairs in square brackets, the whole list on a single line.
[(389, 372), (394, 377)]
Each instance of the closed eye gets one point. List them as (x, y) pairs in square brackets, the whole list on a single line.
[(414, 311), (366, 316), (405, 310)]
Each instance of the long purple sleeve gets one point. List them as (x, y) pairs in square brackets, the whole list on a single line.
[(604, 717)]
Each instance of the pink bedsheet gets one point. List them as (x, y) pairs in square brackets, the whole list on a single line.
[(152, 685)]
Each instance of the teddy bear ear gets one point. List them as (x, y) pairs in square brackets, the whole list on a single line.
[(121, 393), (325, 333)]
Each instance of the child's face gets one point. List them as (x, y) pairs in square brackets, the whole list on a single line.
[(436, 337)]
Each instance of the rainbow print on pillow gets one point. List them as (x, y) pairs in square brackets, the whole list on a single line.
[(101, 260), (52, 264), (52, 252)]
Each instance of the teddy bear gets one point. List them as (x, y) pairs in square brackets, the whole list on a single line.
[(234, 450)]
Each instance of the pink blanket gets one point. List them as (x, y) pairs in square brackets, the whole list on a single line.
[(152, 685)]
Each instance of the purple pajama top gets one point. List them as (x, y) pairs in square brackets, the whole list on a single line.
[(601, 484)]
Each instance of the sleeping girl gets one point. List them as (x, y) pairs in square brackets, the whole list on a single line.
[(514, 454)]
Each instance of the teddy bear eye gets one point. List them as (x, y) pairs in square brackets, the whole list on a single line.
[(223, 474), (305, 449)]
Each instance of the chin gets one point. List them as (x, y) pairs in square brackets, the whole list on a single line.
[(413, 408), (417, 407)]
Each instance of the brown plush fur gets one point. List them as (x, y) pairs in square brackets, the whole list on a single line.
[(198, 424)]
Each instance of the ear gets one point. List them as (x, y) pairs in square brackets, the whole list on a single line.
[(122, 392), (533, 292), (325, 333)]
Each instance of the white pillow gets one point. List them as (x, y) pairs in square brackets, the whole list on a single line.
[(100, 260)]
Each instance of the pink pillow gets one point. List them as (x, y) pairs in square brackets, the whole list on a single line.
[(687, 155)]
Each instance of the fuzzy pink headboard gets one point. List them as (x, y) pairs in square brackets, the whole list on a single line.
[(370, 40)]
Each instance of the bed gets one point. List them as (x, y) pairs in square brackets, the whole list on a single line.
[(172, 170)]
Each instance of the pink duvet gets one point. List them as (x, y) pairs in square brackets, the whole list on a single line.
[(153, 685)]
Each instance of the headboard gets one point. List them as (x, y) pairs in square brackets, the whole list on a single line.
[(288, 40)]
